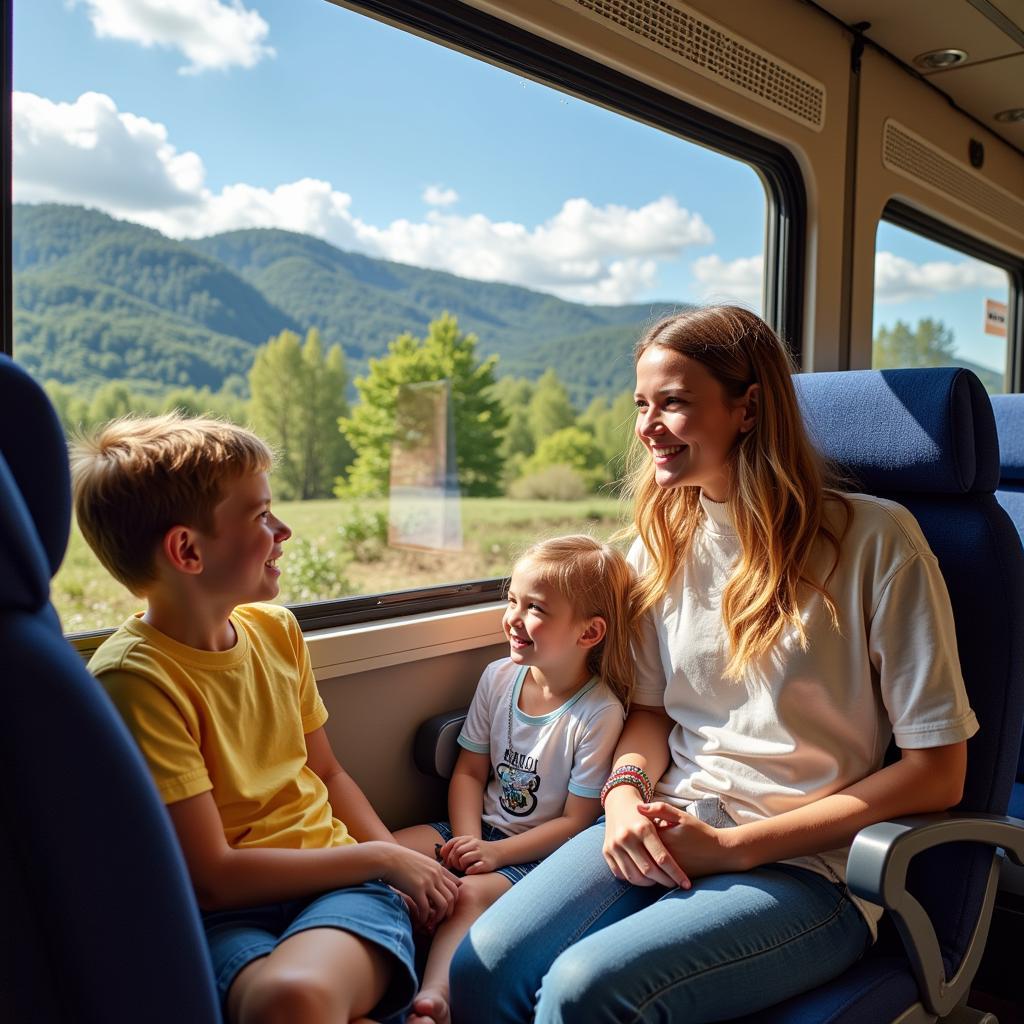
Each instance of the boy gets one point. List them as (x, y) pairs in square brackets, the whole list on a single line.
[(287, 857)]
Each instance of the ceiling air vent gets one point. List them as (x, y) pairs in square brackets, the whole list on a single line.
[(909, 155), (714, 52)]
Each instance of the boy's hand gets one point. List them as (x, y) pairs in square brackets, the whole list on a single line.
[(431, 888), (472, 855)]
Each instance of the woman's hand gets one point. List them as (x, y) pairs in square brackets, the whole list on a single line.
[(471, 855), (704, 850), (431, 887), (633, 847)]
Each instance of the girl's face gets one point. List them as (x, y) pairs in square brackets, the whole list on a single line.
[(687, 422), (542, 627)]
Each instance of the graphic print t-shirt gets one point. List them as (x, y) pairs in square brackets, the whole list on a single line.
[(538, 760)]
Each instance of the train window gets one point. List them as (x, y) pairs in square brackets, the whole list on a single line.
[(418, 274), (938, 306)]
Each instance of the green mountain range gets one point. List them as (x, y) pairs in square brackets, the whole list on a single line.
[(98, 299)]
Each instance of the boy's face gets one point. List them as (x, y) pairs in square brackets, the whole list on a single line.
[(239, 557)]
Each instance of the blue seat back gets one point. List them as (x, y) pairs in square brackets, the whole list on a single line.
[(98, 898), (1009, 413), (926, 438)]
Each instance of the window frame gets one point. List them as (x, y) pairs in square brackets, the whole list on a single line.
[(903, 215), (471, 31)]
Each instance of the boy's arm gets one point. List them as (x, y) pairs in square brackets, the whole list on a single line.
[(225, 877), (466, 792), (348, 802)]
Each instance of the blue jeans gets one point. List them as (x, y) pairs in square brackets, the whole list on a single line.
[(572, 943)]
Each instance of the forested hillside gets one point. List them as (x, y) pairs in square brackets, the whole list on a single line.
[(97, 299)]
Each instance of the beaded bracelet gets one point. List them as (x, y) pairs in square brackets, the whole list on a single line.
[(637, 770), (628, 775)]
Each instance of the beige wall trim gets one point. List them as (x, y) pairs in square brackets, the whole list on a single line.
[(372, 645)]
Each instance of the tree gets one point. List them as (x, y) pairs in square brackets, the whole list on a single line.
[(298, 395), (204, 402), (931, 343), (572, 447), (444, 354), (110, 401), (550, 409), (611, 424), (72, 409)]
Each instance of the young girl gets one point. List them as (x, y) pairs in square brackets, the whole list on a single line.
[(545, 721), (787, 631)]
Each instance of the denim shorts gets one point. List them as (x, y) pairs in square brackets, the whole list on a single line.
[(372, 911), (513, 872)]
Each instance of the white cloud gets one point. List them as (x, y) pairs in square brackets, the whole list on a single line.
[(88, 152), (212, 34), (901, 280), (435, 195), (740, 280)]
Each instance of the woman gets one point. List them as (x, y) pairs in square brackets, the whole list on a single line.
[(788, 632)]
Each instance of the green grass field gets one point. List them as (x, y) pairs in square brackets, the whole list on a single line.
[(341, 548)]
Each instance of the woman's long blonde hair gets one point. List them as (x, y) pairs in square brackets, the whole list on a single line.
[(778, 493), (596, 580)]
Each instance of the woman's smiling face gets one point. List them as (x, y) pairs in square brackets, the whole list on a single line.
[(687, 422)]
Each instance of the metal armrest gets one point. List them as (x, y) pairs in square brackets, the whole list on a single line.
[(877, 871), (435, 748)]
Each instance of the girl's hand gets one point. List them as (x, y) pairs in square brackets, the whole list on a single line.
[(633, 847), (471, 855), (431, 888), (704, 849)]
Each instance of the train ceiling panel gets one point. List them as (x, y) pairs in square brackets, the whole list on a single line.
[(986, 81)]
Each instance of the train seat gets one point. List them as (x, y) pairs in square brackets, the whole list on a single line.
[(1009, 413), (926, 438), (102, 922)]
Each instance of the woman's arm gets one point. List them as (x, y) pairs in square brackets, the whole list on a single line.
[(922, 781), (632, 847), (348, 802)]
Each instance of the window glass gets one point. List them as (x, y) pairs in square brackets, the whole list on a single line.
[(936, 306), (419, 275)]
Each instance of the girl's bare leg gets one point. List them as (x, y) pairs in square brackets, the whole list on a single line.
[(421, 838), (476, 894)]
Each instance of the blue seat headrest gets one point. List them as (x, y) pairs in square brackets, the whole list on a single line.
[(904, 431), (1009, 413), (32, 442), (24, 571)]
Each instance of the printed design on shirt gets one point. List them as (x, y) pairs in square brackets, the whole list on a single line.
[(519, 780)]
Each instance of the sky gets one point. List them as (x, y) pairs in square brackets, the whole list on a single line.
[(201, 116)]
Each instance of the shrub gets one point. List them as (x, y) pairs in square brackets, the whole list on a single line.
[(552, 483), (365, 535), (313, 574)]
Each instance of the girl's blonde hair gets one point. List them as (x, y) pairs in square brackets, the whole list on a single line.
[(778, 493), (597, 581)]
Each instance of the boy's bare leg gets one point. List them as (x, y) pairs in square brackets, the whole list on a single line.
[(476, 894), (317, 976)]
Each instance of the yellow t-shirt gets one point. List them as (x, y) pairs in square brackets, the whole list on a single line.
[(233, 722)]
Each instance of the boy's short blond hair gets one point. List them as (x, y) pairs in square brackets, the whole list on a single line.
[(137, 477)]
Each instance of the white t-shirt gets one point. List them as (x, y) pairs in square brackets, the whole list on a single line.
[(538, 760), (801, 725)]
